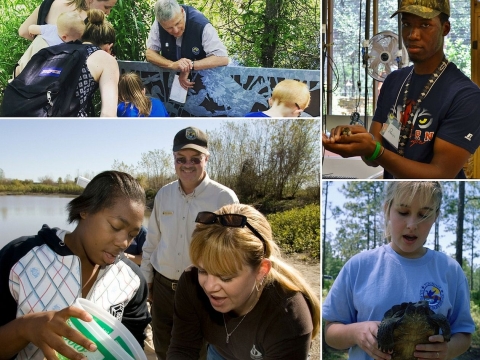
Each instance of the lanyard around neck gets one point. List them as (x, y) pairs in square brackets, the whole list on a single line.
[(406, 128)]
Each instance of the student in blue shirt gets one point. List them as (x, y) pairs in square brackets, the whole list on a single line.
[(133, 102), (402, 270)]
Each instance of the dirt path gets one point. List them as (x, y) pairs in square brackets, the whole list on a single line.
[(311, 272)]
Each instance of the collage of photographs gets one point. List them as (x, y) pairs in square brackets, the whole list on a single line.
[(400, 195), (161, 194), (159, 179)]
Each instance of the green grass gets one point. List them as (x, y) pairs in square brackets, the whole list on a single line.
[(298, 230), (475, 311)]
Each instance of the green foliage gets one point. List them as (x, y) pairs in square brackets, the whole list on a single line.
[(20, 187), (475, 311), (327, 285), (298, 230), (150, 193), (459, 53), (359, 220), (12, 13), (272, 33), (132, 20)]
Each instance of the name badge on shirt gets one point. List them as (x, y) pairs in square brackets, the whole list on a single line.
[(167, 213), (391, 130)]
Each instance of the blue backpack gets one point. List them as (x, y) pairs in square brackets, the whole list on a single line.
[(47, 84)]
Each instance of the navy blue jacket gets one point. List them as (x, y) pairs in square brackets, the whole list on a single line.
[(192, 37)]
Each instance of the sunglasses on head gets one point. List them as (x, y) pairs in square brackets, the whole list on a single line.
[(183, 160), (229, 220)]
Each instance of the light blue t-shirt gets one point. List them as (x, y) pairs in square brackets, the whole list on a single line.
[(373, 281)]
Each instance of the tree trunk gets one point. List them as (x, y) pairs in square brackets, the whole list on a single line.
[(460, 218), (324, 235), (271, 32)]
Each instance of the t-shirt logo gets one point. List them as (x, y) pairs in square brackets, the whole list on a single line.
[(117, 311), (195, 50), (433, 294)]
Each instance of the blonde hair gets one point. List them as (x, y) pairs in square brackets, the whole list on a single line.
[(224, 250), (428, 193), (70, 23), (292, 92), (131, 90), (98, 30)]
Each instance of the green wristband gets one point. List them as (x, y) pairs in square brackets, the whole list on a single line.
[(378, 146)]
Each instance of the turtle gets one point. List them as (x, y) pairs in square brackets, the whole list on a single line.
[(406, 325), (346, 131)]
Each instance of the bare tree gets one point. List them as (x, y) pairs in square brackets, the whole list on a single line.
[(157, 167), (121, 166)]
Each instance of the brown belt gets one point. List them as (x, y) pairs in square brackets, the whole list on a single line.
[(166, 281)]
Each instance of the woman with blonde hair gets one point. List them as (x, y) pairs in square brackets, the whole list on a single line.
[(133, 101), (403, 270), (239, 295), (49, 10), (289, 99)]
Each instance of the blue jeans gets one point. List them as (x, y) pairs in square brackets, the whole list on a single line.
[(212, 353)]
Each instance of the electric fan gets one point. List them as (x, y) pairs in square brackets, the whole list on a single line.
[(384, 55)]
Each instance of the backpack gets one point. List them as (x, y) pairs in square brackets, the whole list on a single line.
[(47, 84), (43, 11)]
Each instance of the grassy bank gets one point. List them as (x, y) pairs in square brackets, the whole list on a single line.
[(296, 230), (17, 187)]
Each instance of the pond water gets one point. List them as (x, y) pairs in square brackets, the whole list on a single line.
[(22, 215)]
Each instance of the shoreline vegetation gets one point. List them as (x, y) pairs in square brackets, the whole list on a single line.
[(295, 222)]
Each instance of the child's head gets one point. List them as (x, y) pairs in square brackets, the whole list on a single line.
[(98, 30), (132, 90), (291, 93), (70, 26), (410, 205)]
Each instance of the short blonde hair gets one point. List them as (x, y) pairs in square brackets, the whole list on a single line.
[(292, 92), (71, 24), (225, 250), (427, 192)]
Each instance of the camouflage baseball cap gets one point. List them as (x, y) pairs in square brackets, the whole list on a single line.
[(426, 9)]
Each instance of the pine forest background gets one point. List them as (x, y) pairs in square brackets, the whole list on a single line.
[(355, 223)]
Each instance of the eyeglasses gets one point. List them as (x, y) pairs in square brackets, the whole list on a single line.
[(229, 220), (192, 161)]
